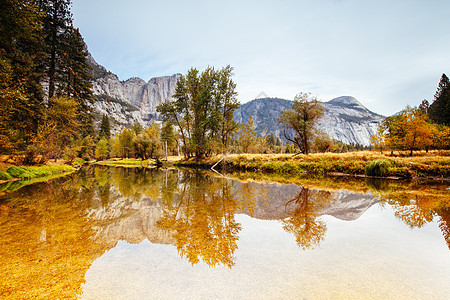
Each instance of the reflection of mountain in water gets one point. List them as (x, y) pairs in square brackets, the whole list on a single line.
[(271, 205), (134, 220), (130, 221), (349, 206)]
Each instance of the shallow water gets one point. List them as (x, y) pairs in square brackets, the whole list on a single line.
[(114, 233)]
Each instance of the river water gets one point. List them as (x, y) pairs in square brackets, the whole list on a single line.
[(129, 233)]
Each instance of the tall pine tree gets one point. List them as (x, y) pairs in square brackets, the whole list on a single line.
[(38, 44), (57, 18), (439, 110), (75, 77), (105, 130), (20, 74), (68, 72)]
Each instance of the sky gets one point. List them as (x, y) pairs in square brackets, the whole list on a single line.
[(387, 54)]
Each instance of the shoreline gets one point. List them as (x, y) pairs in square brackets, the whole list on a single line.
[(430, 166), (354, 164)]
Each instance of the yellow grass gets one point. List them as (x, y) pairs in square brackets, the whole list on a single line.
[(422, 164)]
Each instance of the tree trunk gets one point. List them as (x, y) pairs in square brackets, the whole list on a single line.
[(52, 69)]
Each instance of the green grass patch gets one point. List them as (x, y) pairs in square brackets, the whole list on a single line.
[(5, 176), (16, 172), (12, 186), (37, 171), (130, 162)]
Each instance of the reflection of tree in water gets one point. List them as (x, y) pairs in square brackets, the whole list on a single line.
[(46, 245), (303, 223), (247, 192), (103, 177), (444, 224), (417, 206), (202, 220)]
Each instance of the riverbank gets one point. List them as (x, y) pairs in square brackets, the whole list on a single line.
[(363, 164), (134, 162), (14, 177)]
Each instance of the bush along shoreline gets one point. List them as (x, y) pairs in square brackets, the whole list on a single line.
[(357, 164)]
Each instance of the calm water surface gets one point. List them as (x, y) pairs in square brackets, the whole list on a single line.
[(115, 233)]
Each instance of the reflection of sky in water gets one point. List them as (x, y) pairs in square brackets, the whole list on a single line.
[(375, 256)]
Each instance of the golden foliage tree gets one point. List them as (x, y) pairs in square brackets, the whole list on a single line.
[(246, 135), (408, 130)]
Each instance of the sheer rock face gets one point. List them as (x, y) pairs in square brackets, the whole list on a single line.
[(345, 118), (132, 100), (145, 97)]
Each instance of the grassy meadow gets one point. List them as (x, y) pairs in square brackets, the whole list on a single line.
[(361, 163)]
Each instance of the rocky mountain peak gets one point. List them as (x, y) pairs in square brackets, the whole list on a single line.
[(135, 80), (347, 102)]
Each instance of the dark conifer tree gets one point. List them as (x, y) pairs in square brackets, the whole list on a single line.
[(424, 106), (105, 130), (439, 110), (57, 18), (68, 72), (74, 78), (20, 74)]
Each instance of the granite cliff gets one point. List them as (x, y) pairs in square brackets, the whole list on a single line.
[(345, 118), (132, 100)]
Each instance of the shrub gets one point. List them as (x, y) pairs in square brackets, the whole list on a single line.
[(378, 167)]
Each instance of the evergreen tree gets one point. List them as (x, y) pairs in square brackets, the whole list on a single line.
[(66, 65), (20, 74), (270, 140), (137, 128), (424, 106), (39, 45), (75, 77), (105, 130), (278, 143), (439, 110), (57, 18)]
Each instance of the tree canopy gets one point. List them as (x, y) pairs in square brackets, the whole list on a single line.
[(302, 119), (411, 130), (439, 110), (202, 110)]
